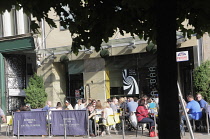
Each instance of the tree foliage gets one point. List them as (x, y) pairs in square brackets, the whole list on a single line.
[(35, 92), (86, 18), (202, 81)]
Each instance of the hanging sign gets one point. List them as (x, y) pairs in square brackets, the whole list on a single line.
[(182, 56)]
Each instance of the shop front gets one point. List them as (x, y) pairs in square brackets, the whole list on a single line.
[(132, 75), (18, 63)]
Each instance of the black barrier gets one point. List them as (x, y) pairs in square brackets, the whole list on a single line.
[(30, 123), (75, 122)]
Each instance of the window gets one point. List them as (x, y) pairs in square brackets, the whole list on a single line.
[(13, 19), (26, 23), (1, 26)]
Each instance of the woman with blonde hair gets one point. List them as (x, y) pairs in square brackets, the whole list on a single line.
[(98, 108), (122, 103), (107, 110)]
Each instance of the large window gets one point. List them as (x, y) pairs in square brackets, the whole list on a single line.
[(1, 26), (26, 23), (13, 16)]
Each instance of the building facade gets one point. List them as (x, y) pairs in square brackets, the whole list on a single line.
[(17, 58), (125, 66)]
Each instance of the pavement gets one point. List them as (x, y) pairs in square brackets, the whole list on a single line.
[(113, 135)]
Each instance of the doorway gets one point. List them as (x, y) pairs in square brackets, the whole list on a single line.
[(76, 89)]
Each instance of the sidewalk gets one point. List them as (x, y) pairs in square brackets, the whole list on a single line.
[(128, 135)]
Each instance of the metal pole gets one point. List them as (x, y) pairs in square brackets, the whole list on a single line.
[(48, 123), (123, 128), (88, 123), (155, 120), (207, 118), (18, 130), (64, 121), (185, 112), (12, 124)]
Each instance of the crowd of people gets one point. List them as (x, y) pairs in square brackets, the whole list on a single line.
[(134, 109), (96, 108)]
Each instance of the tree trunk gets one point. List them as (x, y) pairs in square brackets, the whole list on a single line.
[(167, 70)]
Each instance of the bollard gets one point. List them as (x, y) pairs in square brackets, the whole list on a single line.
[(18, 130), (123, 128), (64, 121)]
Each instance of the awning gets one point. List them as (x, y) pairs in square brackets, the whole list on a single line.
[(17, 43)]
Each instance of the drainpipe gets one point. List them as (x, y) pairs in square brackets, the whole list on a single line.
[(43, 34), (199, 51)]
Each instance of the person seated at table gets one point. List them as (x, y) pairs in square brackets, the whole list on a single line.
[(142, 114), (59, 106), (93, 103), (25, 107), (193, 108), (68, 106), (106, 112), (152, 106), (131, 105), (47, 107), (113, 103), (145, 97), (91, 114), (135, 99), (201, 101), (89, 101), (84, 104), (98, 108), (77, 106), (122, 104)]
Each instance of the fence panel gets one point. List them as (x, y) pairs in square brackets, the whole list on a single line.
[(75, 121), (30, 123)]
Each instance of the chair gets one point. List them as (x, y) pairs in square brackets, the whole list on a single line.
[(110, 123), (117, 118), (200, 123), (208, 118), (139, 124), (96, 120), (9, 123)]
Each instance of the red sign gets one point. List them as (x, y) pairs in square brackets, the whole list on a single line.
[(77, 94)]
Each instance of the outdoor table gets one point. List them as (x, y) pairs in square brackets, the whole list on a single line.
[(122, 118)]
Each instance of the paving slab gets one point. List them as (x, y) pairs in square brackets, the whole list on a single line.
[(113, 135)]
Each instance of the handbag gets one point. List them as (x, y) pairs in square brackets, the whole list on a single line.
[(152, 132)]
